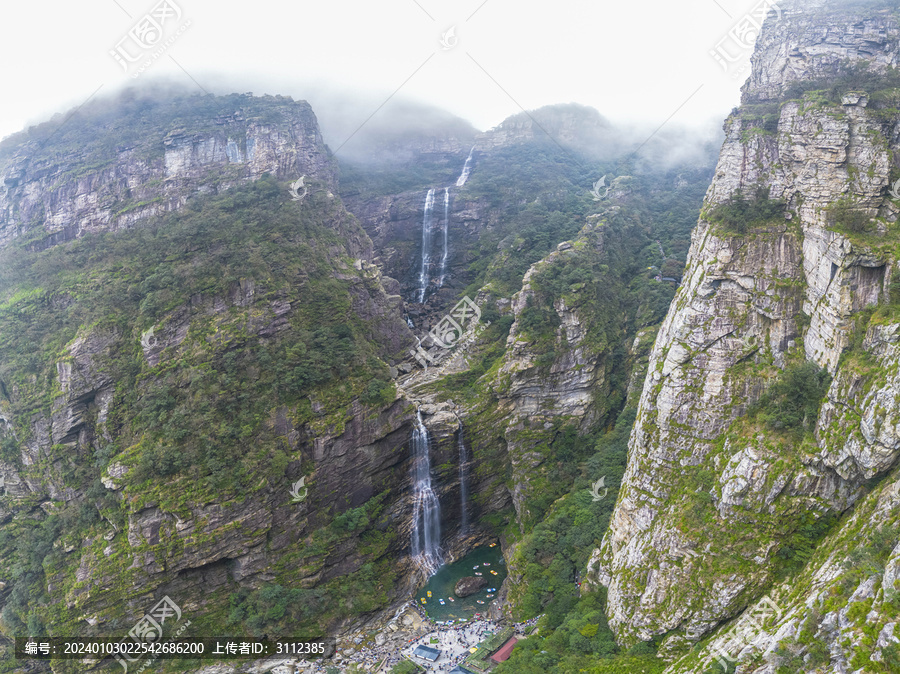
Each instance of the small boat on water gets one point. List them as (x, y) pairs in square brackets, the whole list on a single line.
[(478, 601), (492, 545), (478, 573), (476, 566), (423, 600), (489, 596), (428, 593), (486, 564), (494, 572), (442, 602), (451, 598)]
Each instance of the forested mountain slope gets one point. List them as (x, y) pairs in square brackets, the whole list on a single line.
[(206, 370)]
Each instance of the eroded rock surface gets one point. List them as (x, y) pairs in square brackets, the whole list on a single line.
[(469, 585), (708, 500)]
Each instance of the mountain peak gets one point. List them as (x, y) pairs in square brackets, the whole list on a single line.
[(567, 123), (118, 160)]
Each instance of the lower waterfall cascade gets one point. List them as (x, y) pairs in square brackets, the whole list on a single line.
[(425, 544), (463, 487)]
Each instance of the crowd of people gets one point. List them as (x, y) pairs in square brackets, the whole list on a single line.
[(454, 642)]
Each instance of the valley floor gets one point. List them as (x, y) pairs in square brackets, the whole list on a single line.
[(380, 650)]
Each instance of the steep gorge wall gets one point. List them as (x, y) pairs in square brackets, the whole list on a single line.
[(709, 499), (59, 182), (394, 223), (67, 441), (534, 395)]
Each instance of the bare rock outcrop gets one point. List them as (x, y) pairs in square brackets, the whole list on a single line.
[(155, 169), (469, 585), (708, 501)]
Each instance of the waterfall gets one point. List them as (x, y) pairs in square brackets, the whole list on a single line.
[(467, 168), (425, 545), (463, 487), (428, 222), (424, 279), (445, 228)]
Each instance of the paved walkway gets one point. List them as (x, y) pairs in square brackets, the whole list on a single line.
[(454, 643)]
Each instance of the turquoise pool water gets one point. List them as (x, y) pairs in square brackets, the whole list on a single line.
[(442, 583)]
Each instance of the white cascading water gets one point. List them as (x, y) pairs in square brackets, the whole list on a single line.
[(445, 227), (467, 168), (426, 525), (463, 486), (428, 222), (424, 278)]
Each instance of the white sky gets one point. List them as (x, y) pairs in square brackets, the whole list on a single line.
[(638, 61)]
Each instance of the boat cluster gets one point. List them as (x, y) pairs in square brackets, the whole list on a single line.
[(491, 592)]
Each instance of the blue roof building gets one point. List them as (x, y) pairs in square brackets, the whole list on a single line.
[(427, 653)]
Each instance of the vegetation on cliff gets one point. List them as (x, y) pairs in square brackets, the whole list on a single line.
[(201, 424)]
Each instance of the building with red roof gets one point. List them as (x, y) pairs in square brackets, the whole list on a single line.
[(502, 654)]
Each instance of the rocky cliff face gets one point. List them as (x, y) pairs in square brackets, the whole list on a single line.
[(70, 409), (840, 613), (810, 41), (395, 222), (202, 548), (711, 500), (173, 534), (572, 345), (534, 393), (56, 184)]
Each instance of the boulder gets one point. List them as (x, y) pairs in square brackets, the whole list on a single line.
[(469, 585)]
